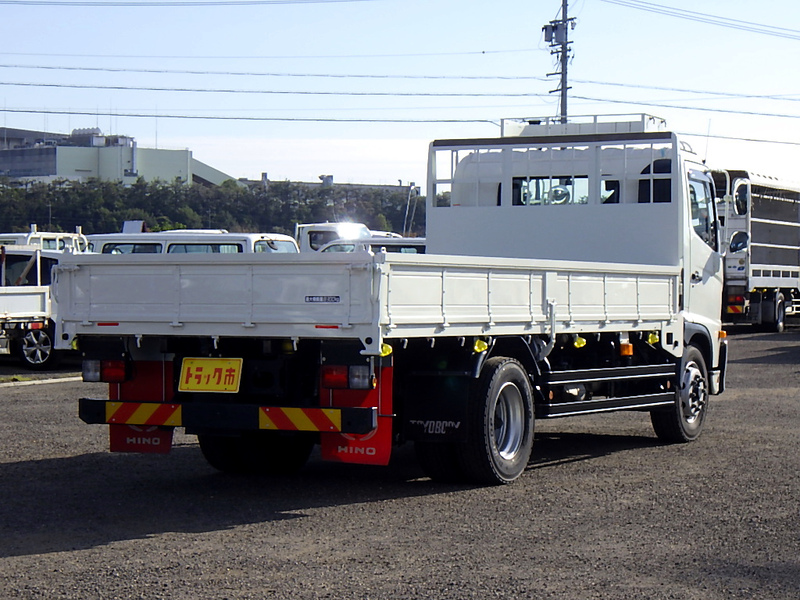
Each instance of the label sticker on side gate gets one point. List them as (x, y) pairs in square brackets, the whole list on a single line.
[(211, 375)]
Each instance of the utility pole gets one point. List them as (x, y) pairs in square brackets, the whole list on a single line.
[(556, 33)]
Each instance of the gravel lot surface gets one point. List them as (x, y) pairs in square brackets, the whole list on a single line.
[(604, 510)]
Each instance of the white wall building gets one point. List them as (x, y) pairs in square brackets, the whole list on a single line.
[(87, 153)]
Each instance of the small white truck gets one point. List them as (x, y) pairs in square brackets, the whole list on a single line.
[(26, 305), (311, 237), (570, 269), (762, 285)]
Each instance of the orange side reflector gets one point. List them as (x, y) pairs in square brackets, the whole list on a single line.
[(626, 349)]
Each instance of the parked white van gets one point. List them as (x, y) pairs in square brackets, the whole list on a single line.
[(191, 242)]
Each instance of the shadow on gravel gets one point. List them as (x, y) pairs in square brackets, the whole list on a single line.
[(785, 349), (91, 500), (551, 449)]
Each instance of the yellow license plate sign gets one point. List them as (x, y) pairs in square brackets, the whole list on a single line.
[(211, 375)]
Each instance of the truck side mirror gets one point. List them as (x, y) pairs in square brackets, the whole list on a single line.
[(739, 242)]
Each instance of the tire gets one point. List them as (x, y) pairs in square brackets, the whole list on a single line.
[(258, 453), (683, 422), (780, 315), (35, 350), (439, 461), (500, 432)]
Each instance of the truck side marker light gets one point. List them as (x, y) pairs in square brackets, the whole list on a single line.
[(723, 334), (480, 346), (626, 349), (36, 325), (652, 338), (579, 342), (386, 350)]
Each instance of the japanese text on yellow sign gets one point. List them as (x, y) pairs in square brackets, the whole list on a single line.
[(210, 375)]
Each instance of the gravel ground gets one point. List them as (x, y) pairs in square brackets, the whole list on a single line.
[(604, 510)]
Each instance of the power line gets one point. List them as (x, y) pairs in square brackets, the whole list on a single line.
[(271, 92), (783, 97), (170, 3), (262, 74), (697, 108), (738, 139), (239, 118), (273, 57), (682, 13), (339, 120)]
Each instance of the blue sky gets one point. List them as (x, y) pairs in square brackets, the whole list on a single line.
[(357, 89)]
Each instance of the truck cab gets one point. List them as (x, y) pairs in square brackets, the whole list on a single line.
[(313, 236)]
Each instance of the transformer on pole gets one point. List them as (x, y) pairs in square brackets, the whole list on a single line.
[(556, 33)]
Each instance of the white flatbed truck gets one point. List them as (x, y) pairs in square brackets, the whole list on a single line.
[(26, 304), (570, 270)]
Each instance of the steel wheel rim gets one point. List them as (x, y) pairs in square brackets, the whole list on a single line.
[(36, 346), (509, 419), (694, 393)]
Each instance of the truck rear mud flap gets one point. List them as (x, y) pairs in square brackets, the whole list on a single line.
[(228, 417)]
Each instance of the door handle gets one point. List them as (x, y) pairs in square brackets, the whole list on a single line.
[(696, 277)]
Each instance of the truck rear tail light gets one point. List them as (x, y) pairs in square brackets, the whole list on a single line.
[(735, 299), (108, 371), (361, 377), (334, 376), (354, 377)]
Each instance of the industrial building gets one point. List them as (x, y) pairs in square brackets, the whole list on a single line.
[(87, 153)]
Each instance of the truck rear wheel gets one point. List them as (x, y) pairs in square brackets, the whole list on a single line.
[(683, 422), (35, 350), (780, 315), (257, 453), (500, 434)]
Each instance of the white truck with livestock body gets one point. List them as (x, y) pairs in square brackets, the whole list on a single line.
[(570, 269), (762, 285)]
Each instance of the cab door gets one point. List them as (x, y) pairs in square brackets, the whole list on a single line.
[(704, 272)]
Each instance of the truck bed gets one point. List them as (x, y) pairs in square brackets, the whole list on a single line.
[(24, 303), (359, 296)]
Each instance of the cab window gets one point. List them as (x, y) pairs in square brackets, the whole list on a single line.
[(702, 207), (204, 248)]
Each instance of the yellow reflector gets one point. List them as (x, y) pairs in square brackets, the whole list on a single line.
[(386, 349), (652, 338), (480, 346), (579, 342)]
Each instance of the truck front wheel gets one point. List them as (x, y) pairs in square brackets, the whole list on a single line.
[(683, 422), (500, 434), (257, 453)]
